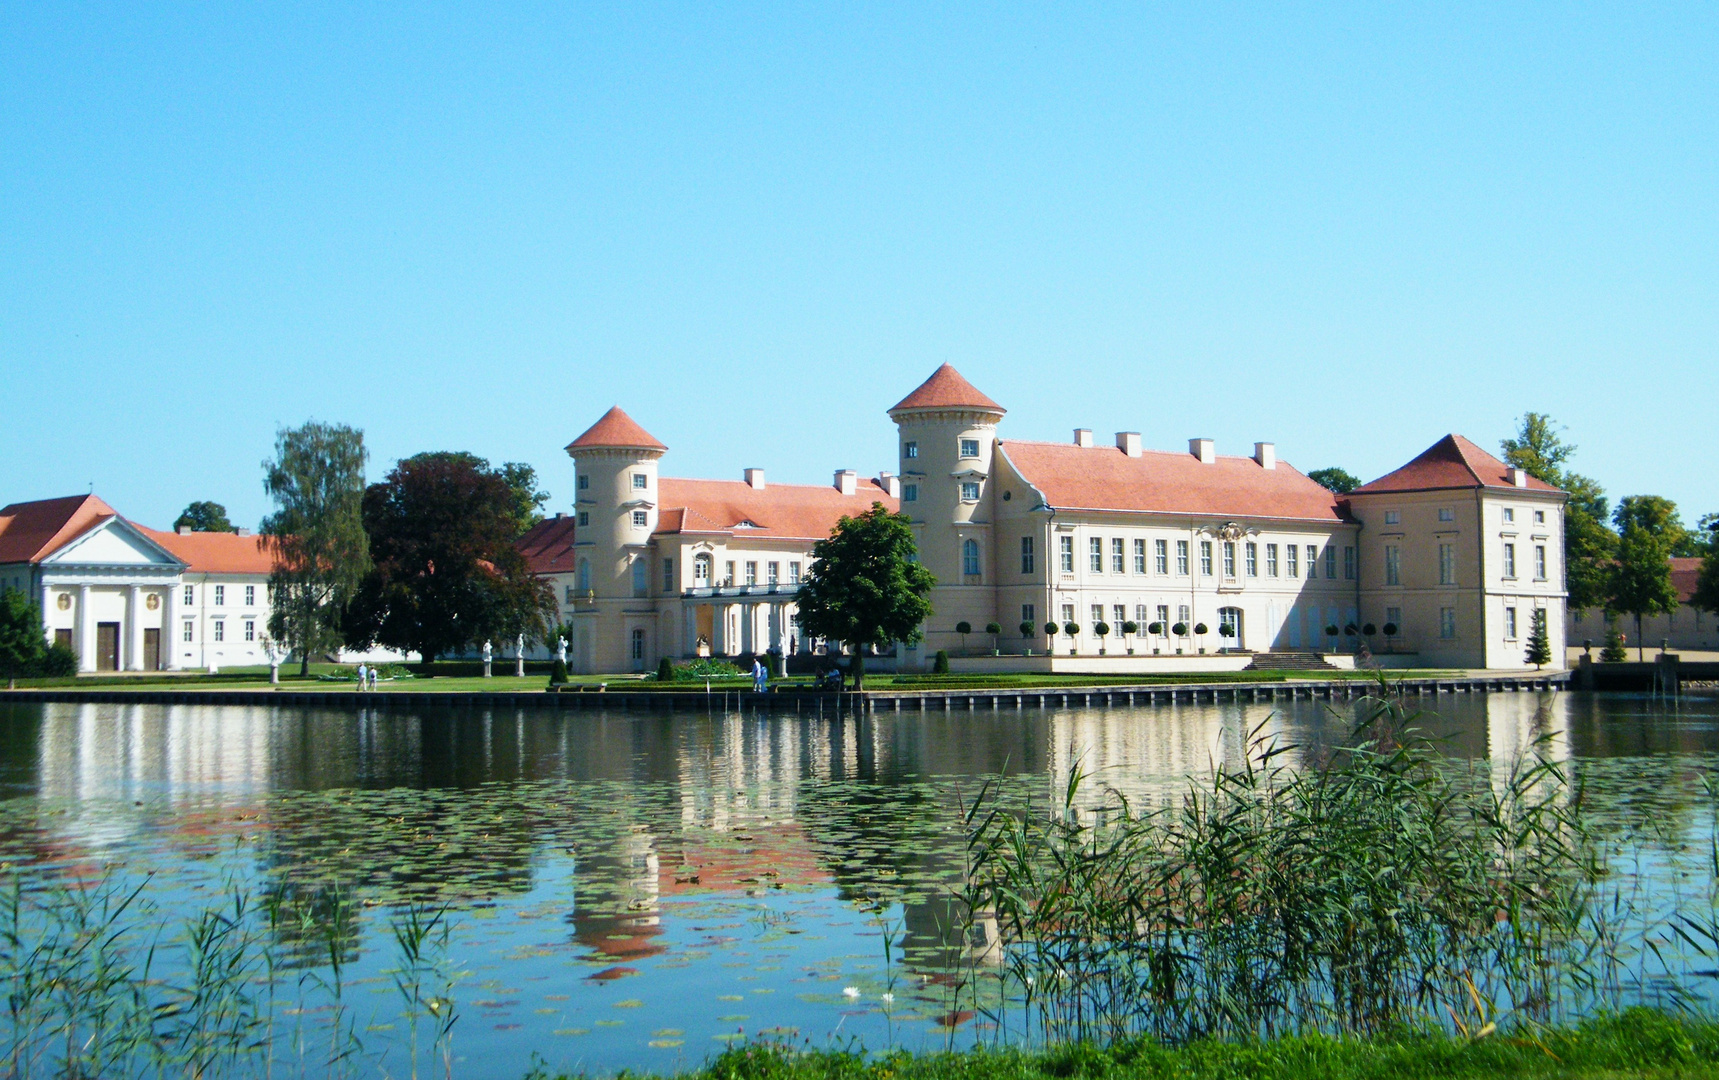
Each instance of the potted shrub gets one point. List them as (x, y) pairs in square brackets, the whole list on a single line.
[(1129, 629), (1331, 632), (963, 628), (1072, 629), (1102, 629), (1390, 636), (1180, 630), (1027, 632), (996, 632), (940, 663), (1225, 631), (1156, 629), (1200, 631)]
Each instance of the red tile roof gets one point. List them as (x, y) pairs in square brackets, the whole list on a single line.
[(31, 531), (548, 546), (779, 511), (1104, 478), (616, 430), (946, 389), (1452, 462), (217, 552), (1685, 571)]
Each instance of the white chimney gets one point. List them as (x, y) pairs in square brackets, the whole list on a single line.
[(1128, 442), (1083, 437), (1204, 449), (243, 532), (184, 530), (755, 479), (847, 481), (891, 483), (1266, 454), (1518, 477)]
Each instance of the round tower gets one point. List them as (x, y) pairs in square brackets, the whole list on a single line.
[(947, 436), (615, 469)]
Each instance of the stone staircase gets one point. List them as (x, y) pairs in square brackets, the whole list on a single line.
[(1290, 661)]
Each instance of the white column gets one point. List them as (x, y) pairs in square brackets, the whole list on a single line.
[(86, 631), (748, 628), (170, 628), (779, 629), (46, 633), (134, 628)]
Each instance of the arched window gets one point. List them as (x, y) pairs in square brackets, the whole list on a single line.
[(701, 570), (584, 575), (641, 578), (970, 558)]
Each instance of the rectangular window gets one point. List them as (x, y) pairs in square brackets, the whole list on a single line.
[(1393, 565), (1251, 554), (1509, 624), (1447, 623), (250, 596), (641, 578), (1330, 562), (1026, 613), (568, 595), (793, 573), (1164, 617), (1118, 559), (1118, 616), (1096, 560), (638, 644), (584, 482), (1141, 616), (584, 519), (1445, 513), (910, 493), (639, 519), (1139, 556), (1539, 517), (909, 449), (1394, 620), (220, 596), (1066, 545), (728, 573), (969, 491), (1068, 613), (250, 629), (1539, 562), (1229, 558), (1348, 562), (639, 481), (1292, 560), (1097, 614), (1312, 561), (1161, 555), (220, 630), (1184, 614), (1509, 514), (189, 633), (668, 576), (1509, 560), (751, 572), (1026, 554), (1271, 560), (188, 599), (1206, 557), (1447, 564), (1182, 557), (773, 573), (1393, 517), (969, 447)]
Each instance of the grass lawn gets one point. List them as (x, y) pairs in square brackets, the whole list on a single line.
[(1635, 1046)]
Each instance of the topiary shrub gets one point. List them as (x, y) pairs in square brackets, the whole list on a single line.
[(1201, 629), (940, 663), (1180, 629), (1028, 629), (665, 670), (1390, 629), (558, 673), (59, 662), (1155, 628), (1331, 631), (1072, 629), (1369, 630), (1130, 627)]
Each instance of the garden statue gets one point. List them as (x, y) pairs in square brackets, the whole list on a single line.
[(561, 650), (488, 653), (273, 656), (519, 657)]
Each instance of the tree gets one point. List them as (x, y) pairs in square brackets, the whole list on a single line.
[(1707, 534), (1640, 579), (22, 643), (446, 574), (1539, 641), (1659, 516), (1102, 629), (320, 551), (1706, 595), (1614, 651), (528, 499), (1340, 481), (1027, 629), (204, 517), (996, 632), (963, 628), (1589, 546), (865, 586)]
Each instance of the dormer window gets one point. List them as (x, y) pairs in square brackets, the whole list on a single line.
[(1445, 513), (969, 448)]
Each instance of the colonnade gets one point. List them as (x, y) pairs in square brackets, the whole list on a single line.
[(741, 627)]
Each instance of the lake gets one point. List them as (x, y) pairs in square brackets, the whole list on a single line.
[(633, 890)]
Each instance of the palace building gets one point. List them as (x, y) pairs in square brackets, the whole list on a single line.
[(1448, 561)]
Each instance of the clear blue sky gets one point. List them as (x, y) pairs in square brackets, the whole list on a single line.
[(1347, 230)]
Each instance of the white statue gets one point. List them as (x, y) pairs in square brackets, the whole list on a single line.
[(273, 656), (561, 649), (488, 653), (519, 657)]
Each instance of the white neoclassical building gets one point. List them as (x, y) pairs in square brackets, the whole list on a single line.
[(1450, 559)]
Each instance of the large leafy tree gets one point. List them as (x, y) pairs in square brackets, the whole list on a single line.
[(1659, 516), (317, 483), (1706, 595), (204, 517), (528, 498), (1589, 545), (446, 574), (866, 586), (22, 644), (1639, 580), (1341, 481)]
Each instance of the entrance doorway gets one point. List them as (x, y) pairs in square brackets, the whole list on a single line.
[(63, 639), (151, 649), (1232, 618), (107, 646)]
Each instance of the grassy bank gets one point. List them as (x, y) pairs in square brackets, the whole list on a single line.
[(1638, 1043)]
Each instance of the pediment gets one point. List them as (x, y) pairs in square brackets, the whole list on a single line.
[(113, 542)]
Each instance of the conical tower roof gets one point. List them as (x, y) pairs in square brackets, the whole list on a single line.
[(615, 431), (946, 389)]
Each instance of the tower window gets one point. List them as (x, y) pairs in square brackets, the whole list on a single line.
[(640, 480), (909, 449), (639, 519), (1026, 554), (969, 447), (970, 558), (910, 493), (969, 492)]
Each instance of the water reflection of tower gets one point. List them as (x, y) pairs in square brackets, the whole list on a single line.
[(617, 912)]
